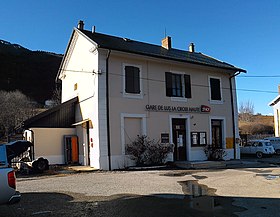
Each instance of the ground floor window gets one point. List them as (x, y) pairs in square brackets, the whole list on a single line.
[(132, 125)]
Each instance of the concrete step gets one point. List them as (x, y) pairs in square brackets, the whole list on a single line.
[(200, 164)]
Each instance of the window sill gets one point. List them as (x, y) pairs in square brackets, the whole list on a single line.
[(133, 96), (178, 99), (217, 102)]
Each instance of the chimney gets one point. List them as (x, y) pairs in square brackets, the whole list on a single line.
[(166, 42), (81, 25), (279, 89), (191, 47), (93, 29)]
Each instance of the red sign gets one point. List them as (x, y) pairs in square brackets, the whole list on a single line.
[(205, 109)]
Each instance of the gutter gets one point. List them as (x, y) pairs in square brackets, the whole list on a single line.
[(108, 109), (232, 111)]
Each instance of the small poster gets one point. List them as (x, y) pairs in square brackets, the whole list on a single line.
[(198, 138), (202, 138), (165, 138), (194, 138)]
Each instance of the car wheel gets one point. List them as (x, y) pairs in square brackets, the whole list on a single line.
[(278, 151), (259, 154)]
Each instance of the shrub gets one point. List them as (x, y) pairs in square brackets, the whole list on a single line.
[(213, 153), (147, 152)]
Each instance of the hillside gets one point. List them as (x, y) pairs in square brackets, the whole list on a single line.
[(31, 72), (258, 124)]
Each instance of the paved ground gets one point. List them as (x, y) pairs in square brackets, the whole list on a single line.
[(249, 191)]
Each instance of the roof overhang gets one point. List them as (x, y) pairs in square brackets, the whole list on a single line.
[(83, 123), (274, 101), (80, 122), (60, 116)]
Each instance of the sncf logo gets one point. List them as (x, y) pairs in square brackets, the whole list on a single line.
[(205, 109)]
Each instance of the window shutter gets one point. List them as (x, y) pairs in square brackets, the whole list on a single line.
[(188, 90), (215, 89), (168, 83), (128, 79), (136, 76), (132, 79)]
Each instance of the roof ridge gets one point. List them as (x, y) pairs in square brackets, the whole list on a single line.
[(133, 40), (144, 48)]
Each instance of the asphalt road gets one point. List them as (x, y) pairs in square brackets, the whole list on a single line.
[(221, 192)]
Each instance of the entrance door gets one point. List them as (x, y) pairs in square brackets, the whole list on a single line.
[(71, 149), (217, 136), (179, 139)]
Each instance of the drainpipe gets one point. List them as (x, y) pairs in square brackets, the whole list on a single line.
[(107, 108), (88, 141), (232, 112)]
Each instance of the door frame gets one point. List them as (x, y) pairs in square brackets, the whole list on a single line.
[(188, 139), (223, 119)]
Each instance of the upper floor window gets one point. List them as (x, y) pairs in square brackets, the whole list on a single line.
[(177, 85), (132, 80), (215, 89)]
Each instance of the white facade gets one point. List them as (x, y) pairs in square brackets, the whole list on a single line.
[(276, 110), (49, 142), (97, 76)]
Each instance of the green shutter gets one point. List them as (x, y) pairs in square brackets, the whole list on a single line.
[(215, 89), (188, 89), (136, 83), (168, 83), (132, 79)]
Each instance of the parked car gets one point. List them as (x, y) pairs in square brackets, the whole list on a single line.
[(8, 194), (275, 141), (258, 148)]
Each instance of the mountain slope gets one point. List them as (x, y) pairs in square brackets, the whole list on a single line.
[(31, 72)]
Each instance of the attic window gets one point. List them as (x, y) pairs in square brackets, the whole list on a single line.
[(75, 86)]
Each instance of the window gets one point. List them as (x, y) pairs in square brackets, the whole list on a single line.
[(217, 133), (132, 79), (215, 89), (178, 85), (131, 126)]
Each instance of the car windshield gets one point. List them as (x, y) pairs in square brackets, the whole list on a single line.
[(267, 143)]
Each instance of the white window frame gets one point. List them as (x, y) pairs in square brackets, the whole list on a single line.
[(182, 98), (143, 126), (131, 95), (223, 119), (221, 88)]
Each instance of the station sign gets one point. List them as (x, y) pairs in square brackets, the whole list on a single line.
[(184, 109)]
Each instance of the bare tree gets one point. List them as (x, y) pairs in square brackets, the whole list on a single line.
[(56, 97), (246, 111), (15, 108)]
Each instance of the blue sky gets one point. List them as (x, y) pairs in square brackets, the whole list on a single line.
[(243, 33)]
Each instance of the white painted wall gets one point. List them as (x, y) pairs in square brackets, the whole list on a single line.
[(49, 142), (84, 76)]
